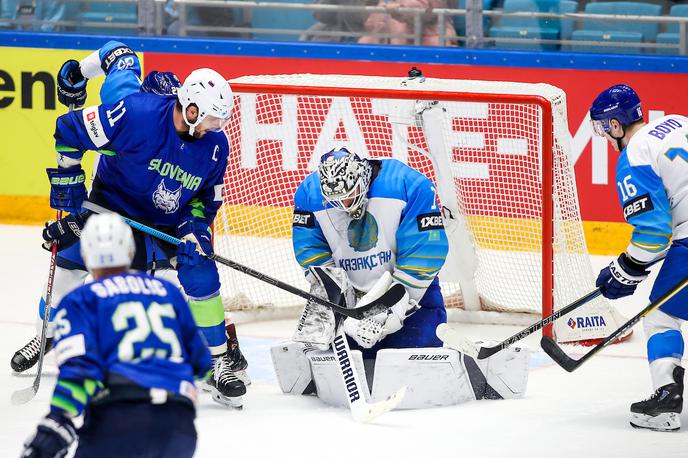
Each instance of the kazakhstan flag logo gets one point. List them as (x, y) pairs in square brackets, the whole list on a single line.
[(362, 233)]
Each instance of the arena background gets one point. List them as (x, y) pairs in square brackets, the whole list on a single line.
[(28, 104)]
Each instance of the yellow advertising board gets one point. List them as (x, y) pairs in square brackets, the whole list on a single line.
[(28, 110)]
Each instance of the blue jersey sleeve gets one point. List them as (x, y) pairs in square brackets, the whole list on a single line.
[(122, 72), (207, 201), (310, 246), (646, 207), (76, 346), (93, 128), (421, 241), (198, 355)]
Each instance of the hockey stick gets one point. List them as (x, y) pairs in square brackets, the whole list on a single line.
[(361, 411), (456, 341), (557, 354), (391, 297), (26, 394)]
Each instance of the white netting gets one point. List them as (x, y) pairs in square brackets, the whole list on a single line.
[(496, 161)]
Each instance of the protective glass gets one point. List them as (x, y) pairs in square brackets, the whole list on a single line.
[(599, 127), (213, 124)]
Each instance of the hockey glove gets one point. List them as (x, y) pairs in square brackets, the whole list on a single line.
[(54, 435), (197, 242), (370, 331), (71, 85), (67, 188), (64, 232), (621, 277)]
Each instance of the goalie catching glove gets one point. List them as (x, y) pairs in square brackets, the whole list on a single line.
[(621, 277), (370, 331)]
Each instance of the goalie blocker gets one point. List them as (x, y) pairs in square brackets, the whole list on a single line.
[(434, 376)]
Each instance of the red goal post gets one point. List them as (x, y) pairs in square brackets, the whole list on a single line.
[(497, 152)]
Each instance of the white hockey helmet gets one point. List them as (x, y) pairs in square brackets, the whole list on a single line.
[(344, 181), (107, 241), (210, 92)]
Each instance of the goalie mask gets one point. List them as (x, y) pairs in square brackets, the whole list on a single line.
[(211, 94), (344, 181)]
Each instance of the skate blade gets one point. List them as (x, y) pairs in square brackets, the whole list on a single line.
[(234, 403), (669, 421)]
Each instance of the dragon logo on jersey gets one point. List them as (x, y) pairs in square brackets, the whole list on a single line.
[(362, 233), (166, 200)]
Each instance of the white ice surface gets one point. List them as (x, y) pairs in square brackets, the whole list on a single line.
[(563, 415)]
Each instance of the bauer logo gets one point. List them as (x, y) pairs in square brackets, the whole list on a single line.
[(586, 322), (638, 206), (303, 219), (428, 357), (429, 222)]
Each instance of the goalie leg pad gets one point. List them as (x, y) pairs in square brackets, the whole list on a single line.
[(292, 367), (433, 377), (327, 376), (506, 373)]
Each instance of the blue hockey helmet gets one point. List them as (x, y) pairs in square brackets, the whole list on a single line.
[(619, 102), (344, 180), (161, 83)]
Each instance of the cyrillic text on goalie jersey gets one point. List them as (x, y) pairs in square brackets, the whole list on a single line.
[(400, 232), (652, 184)]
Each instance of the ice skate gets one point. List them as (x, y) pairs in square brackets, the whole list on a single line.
[(225, 387), (237, 362), (661, 411), (27, 356)]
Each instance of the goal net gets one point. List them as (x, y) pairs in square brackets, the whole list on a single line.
[(497, 152)]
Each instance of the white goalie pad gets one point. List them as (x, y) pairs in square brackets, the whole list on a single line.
[(292, 367), (433, 377), (328, 377), (506, 372)]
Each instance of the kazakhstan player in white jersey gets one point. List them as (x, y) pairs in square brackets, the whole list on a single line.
[(652, 183)]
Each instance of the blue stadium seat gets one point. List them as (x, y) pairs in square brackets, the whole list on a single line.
[(542, 28), (460, 21), (671, 36), (282, 19), (617, 31), (113, 13)]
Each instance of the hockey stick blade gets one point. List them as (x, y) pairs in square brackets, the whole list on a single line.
[(555, 352), (384, 302), (24, 395), (454, 340), (565, 361), (366, 413)]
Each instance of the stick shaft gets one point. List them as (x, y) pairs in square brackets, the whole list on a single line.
[(358, 313)]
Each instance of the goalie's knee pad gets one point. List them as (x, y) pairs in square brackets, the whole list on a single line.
[(292, 367)]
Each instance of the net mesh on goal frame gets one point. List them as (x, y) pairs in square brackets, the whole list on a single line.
[(509, 164)]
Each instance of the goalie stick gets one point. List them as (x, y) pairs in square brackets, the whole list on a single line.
[(391, 297), (455, 340), (26, 394), (557, 354), (361, 411)]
